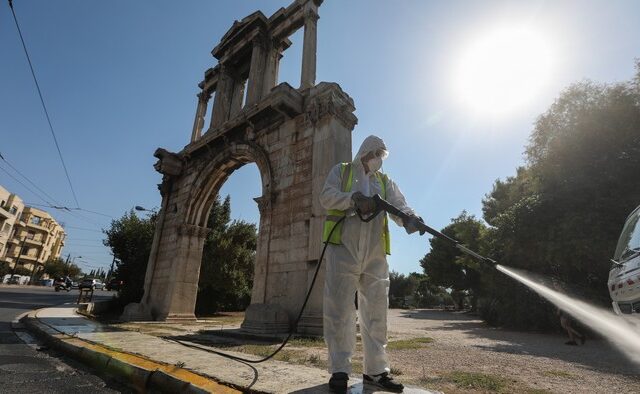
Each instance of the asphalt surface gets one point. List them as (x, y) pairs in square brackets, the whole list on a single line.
[(27, 366)]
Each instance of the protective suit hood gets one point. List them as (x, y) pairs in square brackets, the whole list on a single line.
[(370, 144)]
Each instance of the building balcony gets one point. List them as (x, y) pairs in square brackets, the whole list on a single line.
[(4, 214), (38, 227), (33, 241), (28, 257), (8, 259)]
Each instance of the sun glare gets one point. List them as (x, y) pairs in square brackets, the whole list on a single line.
[(502, 71)]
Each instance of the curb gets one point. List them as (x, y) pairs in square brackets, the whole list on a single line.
[(137, 372), (17, 322)]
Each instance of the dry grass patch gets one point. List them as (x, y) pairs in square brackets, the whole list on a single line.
[(395, 371), (230, 318), (477, 381), (315, 360), (409, 344), (265, 350), (306, 342)]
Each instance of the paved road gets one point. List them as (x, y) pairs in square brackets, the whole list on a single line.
[(24, 368)]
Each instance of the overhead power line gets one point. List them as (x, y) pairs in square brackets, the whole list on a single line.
[(25, 186), (84, 229), (49, 204), (69, 211), (84, 239), (94, 212), (44, 107), (27, 179)]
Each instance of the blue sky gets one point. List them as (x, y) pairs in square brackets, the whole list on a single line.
[(119, 79)]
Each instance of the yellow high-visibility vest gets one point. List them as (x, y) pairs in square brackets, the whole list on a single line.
[(334, 215)]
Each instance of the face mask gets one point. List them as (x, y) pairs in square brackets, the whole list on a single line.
[(374, 164)]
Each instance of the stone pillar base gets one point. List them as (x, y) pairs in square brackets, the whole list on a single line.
[(310, 324), (265, 319), (136, 312)]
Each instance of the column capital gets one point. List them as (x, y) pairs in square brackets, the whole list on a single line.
[(264, 203), (203, 95), (225, 69), (311, 15), (260, 40)]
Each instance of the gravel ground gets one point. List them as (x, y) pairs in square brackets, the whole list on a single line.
[(525, 361), (464, 356)]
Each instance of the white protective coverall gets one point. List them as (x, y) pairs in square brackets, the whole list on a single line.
[(360, 264)]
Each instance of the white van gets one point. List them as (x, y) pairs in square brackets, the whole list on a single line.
[(624, 277)]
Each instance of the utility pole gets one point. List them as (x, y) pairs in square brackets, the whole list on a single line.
[(18, 259), (34, 270), (66, 273), (111, 269)]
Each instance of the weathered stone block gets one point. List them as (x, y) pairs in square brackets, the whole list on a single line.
[(265, 319)]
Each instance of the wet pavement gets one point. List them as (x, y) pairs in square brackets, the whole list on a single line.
[(26, 366), (271, 376)]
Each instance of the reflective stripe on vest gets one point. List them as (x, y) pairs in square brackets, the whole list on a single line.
[(334, 215)]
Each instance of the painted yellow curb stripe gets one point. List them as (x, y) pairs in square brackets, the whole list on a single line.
[(139, 361)]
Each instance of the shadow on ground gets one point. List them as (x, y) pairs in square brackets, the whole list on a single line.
[(608, 358)]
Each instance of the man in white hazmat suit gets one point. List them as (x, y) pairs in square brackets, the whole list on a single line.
[(356, 261)]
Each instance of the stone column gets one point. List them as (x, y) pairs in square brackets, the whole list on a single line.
[(182, 290), (274, 54), (201, 112), (261, 266), (236, 97), (256, 71), (308, 78), (262, 317), (222, 101)]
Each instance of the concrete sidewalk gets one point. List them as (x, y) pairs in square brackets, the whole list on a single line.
[(148, 362)]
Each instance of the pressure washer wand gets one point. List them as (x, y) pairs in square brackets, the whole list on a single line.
[(383, 205)]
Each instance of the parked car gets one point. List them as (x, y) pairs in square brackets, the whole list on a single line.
[(18, 280), (95, 284), (114, 284), (46, 282), (624, 276)]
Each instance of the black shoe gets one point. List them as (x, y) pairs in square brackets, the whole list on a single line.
[(384, 381), (338, 383)]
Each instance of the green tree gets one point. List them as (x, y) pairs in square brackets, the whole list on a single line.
[(56, 268), (447, 267), (425, 294), (5, 269), (19, 270), (226, 273), (401, 288), (561, 214), (130, 239)]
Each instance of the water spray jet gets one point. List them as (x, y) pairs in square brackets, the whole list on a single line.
[(622, 333)]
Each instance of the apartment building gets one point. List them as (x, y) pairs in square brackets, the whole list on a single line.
[(11, 207), (34, 238)]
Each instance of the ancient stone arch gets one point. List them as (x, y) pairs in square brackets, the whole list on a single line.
[(294, 135)]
